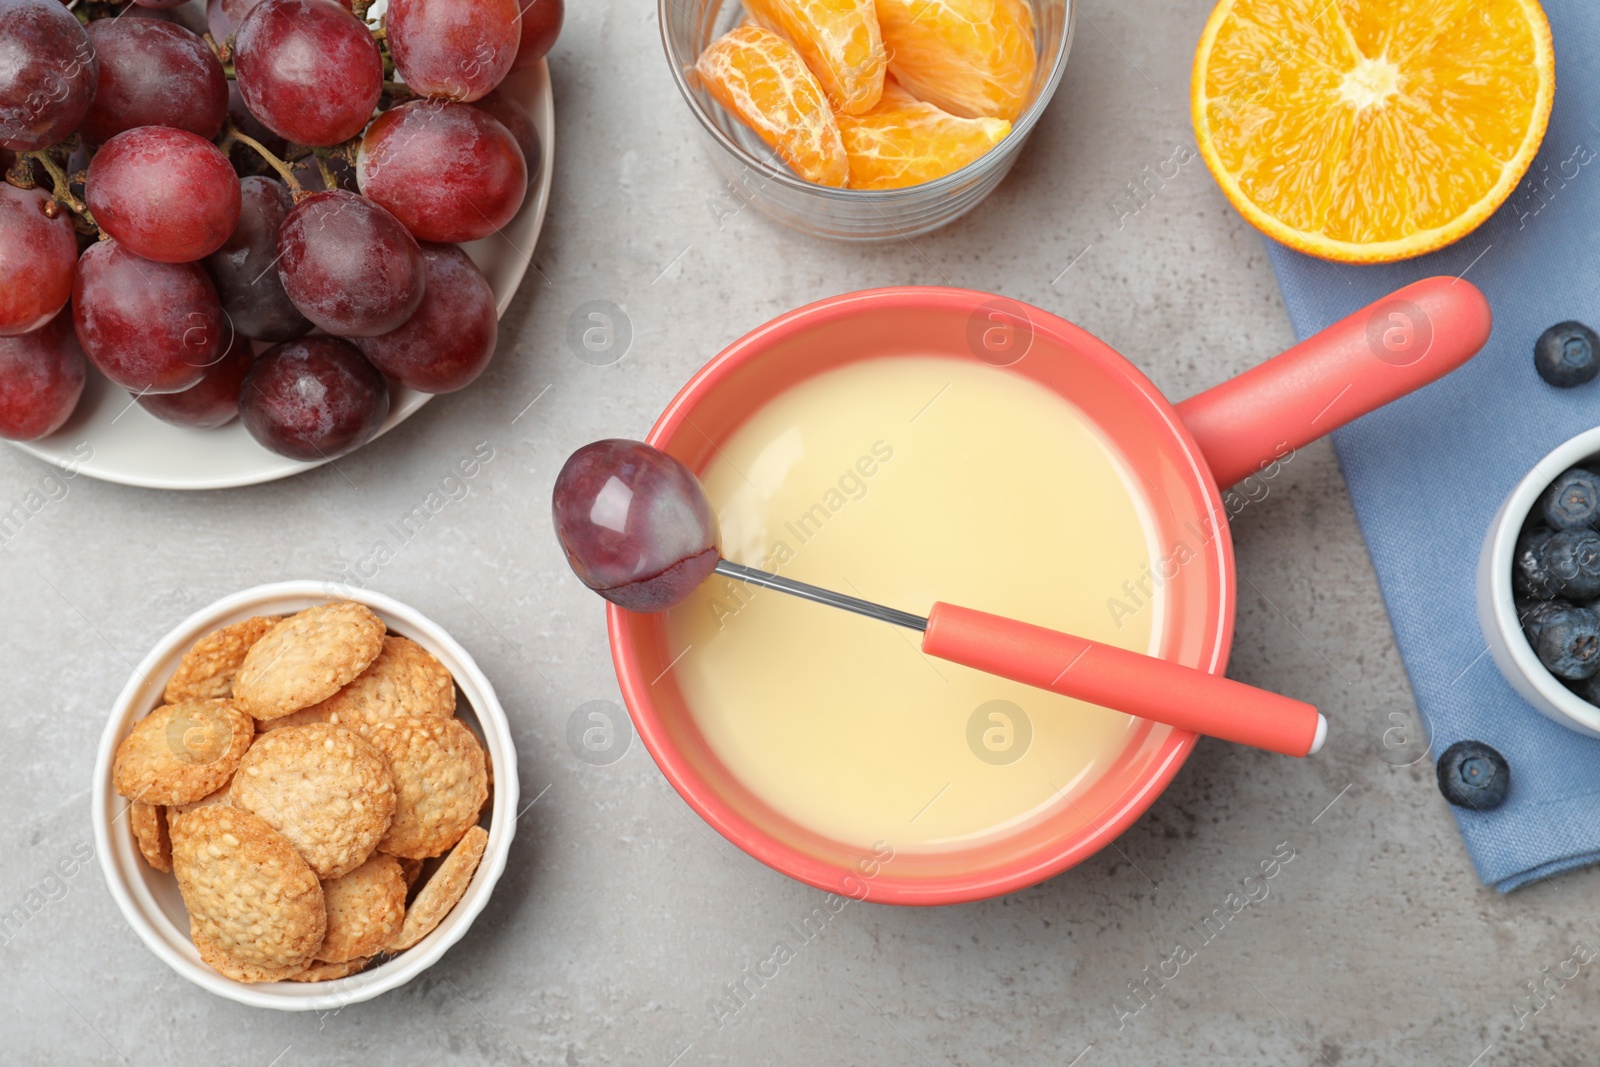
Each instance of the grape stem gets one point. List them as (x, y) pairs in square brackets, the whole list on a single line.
[(392, 88), (223, 51), (232, 136), (21, 173), (328, 180), (62, 192)]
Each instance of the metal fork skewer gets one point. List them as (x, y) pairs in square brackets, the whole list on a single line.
[(818, 595)]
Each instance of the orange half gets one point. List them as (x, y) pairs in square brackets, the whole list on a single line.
[(1367, 131)]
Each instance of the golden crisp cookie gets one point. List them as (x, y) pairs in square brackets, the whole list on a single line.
[(365, 909), (443, 890), (178, 811), (322, 787), (180, 752), (405, 679), (149, 824), (440, 780), (208, 669), (307, 658), (322, 971), (229, 967), (254, 904)]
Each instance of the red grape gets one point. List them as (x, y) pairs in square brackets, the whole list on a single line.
[(348, 265), (450, 340), (509, 112), (37, 257), (308, 69), (317, 398), (164, 194), (541, 25), (399, 166), (154, 73), (47, 73), (245, 268), (217, 21), (41, 378), (150, 327), (457, 49), (635, 524), (212, 403)]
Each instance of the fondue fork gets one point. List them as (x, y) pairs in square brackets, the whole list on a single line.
[(1092, 671), (637, 529)]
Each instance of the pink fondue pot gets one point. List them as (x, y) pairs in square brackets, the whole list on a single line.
[(1182, 455)]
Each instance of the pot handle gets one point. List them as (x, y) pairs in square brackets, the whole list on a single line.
[(1402, 342)]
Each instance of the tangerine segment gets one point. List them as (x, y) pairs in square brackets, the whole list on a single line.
[(972, 58), (760, 77), (838, 39), (904, 141), (1367, 131)]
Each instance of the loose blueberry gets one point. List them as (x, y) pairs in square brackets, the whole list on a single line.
[(1473, 775), (1528, 574), (1572, 501), (1569, 644), (1535, 613), (1568, 565), (1565, 354)]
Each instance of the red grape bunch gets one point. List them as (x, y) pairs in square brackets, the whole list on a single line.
[(253, 211)]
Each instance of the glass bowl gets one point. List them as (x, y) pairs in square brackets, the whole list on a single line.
[(756, 175)]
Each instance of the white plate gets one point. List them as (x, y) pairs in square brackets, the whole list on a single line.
[(111, 437)]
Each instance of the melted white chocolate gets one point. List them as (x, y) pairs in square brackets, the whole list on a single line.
[(905, 481)]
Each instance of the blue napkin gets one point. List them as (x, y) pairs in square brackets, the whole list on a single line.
[(1428, 472)]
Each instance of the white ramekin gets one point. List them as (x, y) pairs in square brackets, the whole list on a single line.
[(1497, 609), (149, 899)]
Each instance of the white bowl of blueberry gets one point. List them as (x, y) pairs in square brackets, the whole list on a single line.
[(1539, 585)]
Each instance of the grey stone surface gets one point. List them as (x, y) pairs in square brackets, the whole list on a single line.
[(621, 914)]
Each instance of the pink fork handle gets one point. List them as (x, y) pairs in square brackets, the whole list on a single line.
[(1124, 681), (1411, 337)]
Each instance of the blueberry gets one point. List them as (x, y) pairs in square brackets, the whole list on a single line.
[(1528, 574), (1473, 775), (1535, 613), (1565, 354), (1564, 564), (1572, 501), (1569, 644)]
